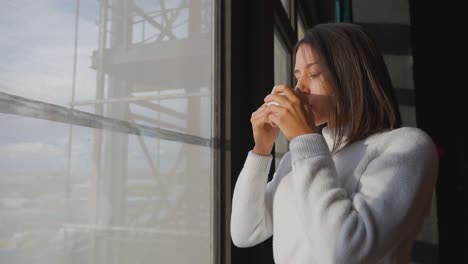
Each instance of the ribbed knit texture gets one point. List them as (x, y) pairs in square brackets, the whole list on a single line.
[(365, 204)]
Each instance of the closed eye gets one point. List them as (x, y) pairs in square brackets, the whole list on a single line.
[(315, 75)]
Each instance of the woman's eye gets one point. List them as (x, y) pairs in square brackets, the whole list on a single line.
[(315, 75)]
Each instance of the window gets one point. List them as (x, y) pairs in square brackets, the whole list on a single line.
[(286, 4), (282, 76), (343, 11), (300, 28), (106, 118)]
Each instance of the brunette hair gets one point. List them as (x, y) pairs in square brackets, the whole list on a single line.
[(356, 72)]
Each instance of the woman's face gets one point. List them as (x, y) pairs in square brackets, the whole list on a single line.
[(312, 83)]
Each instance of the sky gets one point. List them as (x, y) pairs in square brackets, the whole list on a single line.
[(36, 62), (37, 50)]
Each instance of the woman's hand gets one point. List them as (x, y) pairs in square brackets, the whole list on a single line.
[(293, 116), (264, 134)]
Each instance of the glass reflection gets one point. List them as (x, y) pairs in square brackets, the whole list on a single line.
[(74, 194), (282, 75), (286, 5)]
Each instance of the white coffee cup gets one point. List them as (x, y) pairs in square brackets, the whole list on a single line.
[(274, 102)]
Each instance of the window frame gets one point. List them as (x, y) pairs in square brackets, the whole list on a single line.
[(248, 69)]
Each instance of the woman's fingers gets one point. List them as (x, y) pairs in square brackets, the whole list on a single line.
[(286, 89), (280, 99), (274, 110), (277, 110), (259, 110), (260, 117), (274, 119), (282, 88), (286, 100)]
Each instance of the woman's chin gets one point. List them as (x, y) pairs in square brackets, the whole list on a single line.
[(319, 122)]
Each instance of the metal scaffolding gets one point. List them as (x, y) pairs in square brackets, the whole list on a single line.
[(125, 64)]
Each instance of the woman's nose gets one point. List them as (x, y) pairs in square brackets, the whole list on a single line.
[(300, 87)]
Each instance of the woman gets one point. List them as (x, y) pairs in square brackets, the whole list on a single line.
[(354, 187)]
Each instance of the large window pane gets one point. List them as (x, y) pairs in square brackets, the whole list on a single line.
[(79, 194), (282, 76), (300, 28), (286, 5), (37, 47)]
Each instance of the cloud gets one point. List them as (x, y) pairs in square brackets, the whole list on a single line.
[(36, 62), (37, 54)]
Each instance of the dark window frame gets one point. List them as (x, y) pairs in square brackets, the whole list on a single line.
[(247, 69)]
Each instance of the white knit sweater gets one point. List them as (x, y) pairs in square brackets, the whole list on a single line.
[(365, 204)]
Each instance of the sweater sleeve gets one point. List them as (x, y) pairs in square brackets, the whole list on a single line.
[(362, 227), (251, 214)]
